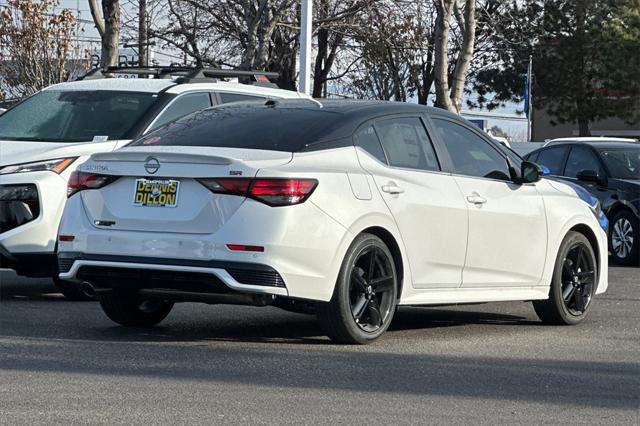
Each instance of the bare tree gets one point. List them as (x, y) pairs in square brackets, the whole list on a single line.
[(449, 96), (107, 21), (35, 45)]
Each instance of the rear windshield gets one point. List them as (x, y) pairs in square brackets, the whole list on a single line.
[(75, 116), (245, 126)]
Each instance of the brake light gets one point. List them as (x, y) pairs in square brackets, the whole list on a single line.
[(243, 247), (274, 192), (79, 181)]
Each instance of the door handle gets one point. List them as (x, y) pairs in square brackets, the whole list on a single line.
[(476, 199), (392, 188)]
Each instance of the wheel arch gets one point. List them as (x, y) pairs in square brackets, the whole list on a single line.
[(621, 206), (593, 240), (390, 241)]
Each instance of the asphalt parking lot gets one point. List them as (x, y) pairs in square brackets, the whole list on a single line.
[(65, 362)]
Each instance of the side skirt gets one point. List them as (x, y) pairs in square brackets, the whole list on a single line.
[(475, 295)]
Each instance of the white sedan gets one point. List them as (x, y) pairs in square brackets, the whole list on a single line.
[(347, 209)]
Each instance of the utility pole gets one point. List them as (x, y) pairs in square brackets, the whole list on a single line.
[(306, 18), (143, 55), (528, 98)]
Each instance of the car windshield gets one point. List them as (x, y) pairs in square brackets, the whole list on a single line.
[(623, 163), (75, 116)]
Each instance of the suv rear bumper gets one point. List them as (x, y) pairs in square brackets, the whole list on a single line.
[(177, 277), (29, 264)]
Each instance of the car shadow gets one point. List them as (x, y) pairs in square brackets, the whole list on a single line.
[(12, 288)]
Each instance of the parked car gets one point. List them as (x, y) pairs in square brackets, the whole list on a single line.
[(47, 136), (346, 208), (610, 171)]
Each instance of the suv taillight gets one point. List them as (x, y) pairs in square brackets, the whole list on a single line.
[(79, 181), (274, 192)]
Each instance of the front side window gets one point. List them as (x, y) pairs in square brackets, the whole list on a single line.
[(75, 116), (181, 106), (553, 158), (407, 144), (470, 154), (580, 159), (623, 163)]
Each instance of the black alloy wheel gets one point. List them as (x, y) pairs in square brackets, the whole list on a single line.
[(371, 289), (365, 296), (573, 284), (578, 280)]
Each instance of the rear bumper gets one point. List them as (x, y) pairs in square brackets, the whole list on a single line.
[(180, 277), (302, 243)]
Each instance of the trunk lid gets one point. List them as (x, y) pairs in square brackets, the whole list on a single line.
[(134, 202)]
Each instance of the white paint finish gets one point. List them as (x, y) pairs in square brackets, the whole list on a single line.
[(359, 185), (305, 255), (476, 295), (307, 243), (147, 85), (507, 233), (432, 217), (230, 87), (564, 212)]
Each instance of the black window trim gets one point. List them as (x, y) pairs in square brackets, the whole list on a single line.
[(493, 144), (386, 117)]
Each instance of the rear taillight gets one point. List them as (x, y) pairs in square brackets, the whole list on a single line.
[(271, 191), (79, 181)]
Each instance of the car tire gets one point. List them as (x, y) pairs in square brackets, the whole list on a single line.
[(573, 283), (624, 239), (72, 291), (126, 309), (365, 296)]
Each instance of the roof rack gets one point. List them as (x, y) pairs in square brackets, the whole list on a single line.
[(187, 74)]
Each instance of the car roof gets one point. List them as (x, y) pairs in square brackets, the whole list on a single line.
[(225, 86), (362, 110), (608, 143), (121, 84), (588, 140), (342, 117), (148, 85)]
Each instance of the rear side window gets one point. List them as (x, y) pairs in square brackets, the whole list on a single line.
[(406, 143), (245, 125), (226, 98), (552, 158), (367, 139), (183, 105)]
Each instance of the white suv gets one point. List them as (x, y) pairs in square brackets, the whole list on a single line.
[(47, 136)]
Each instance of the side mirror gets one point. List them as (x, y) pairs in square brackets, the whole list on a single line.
[(591, 176), (531, 172)]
